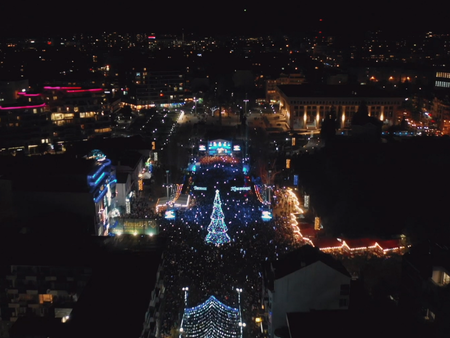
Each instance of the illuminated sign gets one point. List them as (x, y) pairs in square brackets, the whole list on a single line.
[(202, 147), (295, 179), (219, 147), (317, 223), (306, 202), (169, 214), (200, 188), (266, 215), (127, 206), (152, 37), (237, 148), (240, 188)]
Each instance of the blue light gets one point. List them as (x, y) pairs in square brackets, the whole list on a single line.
[(99, 197), (99, 170), (98, 180), (211, 300), (211, 319)]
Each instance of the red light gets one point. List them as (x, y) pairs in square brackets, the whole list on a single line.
[(161, 94), (320, 19), (28, 95), (23, 107), (320, 32), (85, 90), (49, 43), (60, 88)]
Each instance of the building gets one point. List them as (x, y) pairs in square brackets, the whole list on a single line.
[(37, 290), (442, 79), (155, 88), (77, 113), (425, 285), (272, 95), (43, 279), (39, 122), (306, 106), (25, 126), (129, 169), (301, 281), (10, 89), (84, 282), (63, 195)]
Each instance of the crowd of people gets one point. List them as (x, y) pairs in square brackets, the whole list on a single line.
[(218, 270), (211, 160), (140, 207)]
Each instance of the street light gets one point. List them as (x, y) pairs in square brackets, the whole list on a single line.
[(241, 324), (167, 184), (246, 128), (185, 289)]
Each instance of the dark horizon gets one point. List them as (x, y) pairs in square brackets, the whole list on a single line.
[(221, 18)]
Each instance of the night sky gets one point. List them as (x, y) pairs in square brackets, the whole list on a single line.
[(53, 17)]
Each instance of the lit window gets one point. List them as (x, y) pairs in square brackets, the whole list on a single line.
[(445, 279), (45, 298)]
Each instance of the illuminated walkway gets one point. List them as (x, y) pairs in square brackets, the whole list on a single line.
[(212, 319)]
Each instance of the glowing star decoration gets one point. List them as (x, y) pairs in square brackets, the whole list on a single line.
[(217, 230), (211, 319)]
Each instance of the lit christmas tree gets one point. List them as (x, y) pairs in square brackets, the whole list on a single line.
[(217, 230)]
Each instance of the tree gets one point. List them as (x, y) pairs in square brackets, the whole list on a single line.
[(217, 230)]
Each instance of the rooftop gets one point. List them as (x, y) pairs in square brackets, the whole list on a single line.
[(323, 90), (48, 172), (303, 257)]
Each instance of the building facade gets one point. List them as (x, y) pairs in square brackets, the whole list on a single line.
[(155, 88), (77, 113), (41, 122), (306, 106), (304, 280), (272, 95), (24, 127), (42, 291)]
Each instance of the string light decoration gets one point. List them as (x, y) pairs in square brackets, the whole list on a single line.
[(211, 319), (217, 230), (259, 195)]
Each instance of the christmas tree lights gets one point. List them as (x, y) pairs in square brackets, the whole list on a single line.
[(217, 230), (211, 319)]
